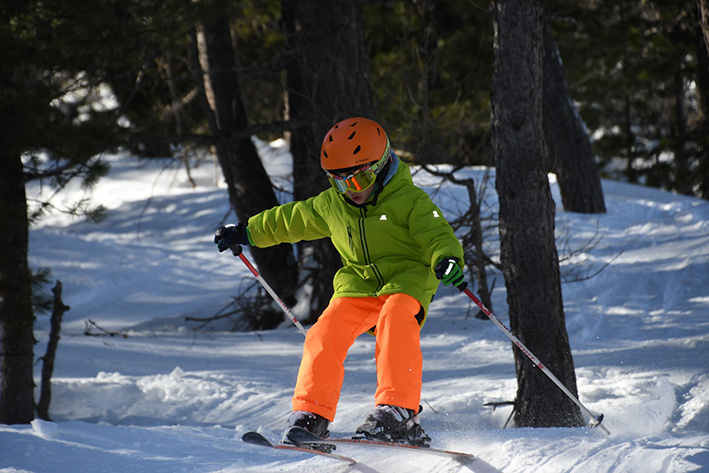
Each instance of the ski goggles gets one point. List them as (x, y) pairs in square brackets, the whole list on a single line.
[(360, 179)]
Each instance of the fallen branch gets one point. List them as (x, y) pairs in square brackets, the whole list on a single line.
[(90, 323)]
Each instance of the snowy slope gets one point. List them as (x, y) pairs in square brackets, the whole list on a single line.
[(169, 399)]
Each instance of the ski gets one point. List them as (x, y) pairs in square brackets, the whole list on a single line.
[(303, 438), (254, 438)]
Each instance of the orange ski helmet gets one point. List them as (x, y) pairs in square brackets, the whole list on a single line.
[(352, 143)]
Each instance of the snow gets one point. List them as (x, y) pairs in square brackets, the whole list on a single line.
[(164, 397)]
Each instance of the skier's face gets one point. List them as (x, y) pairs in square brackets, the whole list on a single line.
[(361, 197)]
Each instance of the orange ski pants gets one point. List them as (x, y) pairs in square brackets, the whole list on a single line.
[(398, 352)]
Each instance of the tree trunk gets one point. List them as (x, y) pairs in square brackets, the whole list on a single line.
[(16, 315), (475, 239), (250, 189), (58, 309), (566, 138), (327, 81), (683, 172), (702, 170), (704, 20), (528, 251)]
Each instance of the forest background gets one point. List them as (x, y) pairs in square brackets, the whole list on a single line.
[(83, 79)]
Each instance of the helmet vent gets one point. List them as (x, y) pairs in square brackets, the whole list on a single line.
[(352, 135), (357, 149), (325, 154)]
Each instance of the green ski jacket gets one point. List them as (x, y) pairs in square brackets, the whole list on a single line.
[(389, 245)]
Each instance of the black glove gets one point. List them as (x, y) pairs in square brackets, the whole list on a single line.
[(449, 272), (230, 235)]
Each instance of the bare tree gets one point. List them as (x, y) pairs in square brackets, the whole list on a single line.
[(704, 20), (471, 227), (527, 248), (703, 83), (250, 189), (55, 324), (566, 137)]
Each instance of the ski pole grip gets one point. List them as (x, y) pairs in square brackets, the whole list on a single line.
[(236, 249)]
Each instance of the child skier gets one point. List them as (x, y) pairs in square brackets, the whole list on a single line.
[(394, 245)]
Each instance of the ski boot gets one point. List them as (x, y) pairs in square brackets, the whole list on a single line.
[(394, 424), (313, 423)]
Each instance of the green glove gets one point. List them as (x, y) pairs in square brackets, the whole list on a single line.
[(449, 272)]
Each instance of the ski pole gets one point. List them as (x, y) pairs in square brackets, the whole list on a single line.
[(595, 419), (237, 250)]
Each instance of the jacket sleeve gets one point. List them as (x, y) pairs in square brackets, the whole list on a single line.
[(432, 231), (288, 223)]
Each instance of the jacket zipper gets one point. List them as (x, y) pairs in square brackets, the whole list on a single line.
[(365, 250)]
